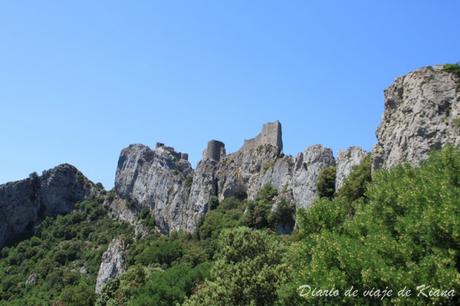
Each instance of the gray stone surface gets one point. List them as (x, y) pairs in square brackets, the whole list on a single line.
[(24, 203), (113, 263), (307, 169), (346, 160), (420, 113), (156, 179), (270, 135), (178, 196), (215, 150), (420, 109)]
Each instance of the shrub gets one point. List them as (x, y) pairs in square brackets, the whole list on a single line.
[(60, 246), (282, 218), (355, 184), (406, 235), (456, 122), (452, 68), (163, 252), (267, 193), (213, 202), (189, 181), (81, 294), (326, 182), (170, 287), (256, 214), (247, 271)]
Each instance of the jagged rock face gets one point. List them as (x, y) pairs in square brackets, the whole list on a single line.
[(157, 179), (123, 210), (243, 173), (113, 263), (308, 166), (420, 112), (178, 196), (346, 160), (238, 173), (204, 186), (295, 178), (23, 204)]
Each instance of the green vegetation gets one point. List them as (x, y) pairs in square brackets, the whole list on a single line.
[(355, 185), (405, 232), (456, 122), (60, 262), (395, 229), (452, 68), (247, 271), (326, 183)]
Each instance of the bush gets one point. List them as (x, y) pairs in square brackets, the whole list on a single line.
[(247, 271), (146, 217), (170, 287), (406, 235), (162, 252), (452, 68), (229, 213), (267, 193), (256, 214), (213, 202), (60, 246), (355, 184), (81, 294), (326, 182), (282, 218)]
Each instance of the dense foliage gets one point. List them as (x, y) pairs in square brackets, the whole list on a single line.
[(355, 185), (405, 233), (453, 68), (326, 182), (60, 262), (247, 271), (392, 230)]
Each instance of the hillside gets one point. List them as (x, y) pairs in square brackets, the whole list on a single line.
[(256, 226)]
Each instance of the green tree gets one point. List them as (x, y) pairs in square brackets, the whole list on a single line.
[(247, 271), (170, 287), (79, 295), (407, 234), (326, 182), (356, 183)]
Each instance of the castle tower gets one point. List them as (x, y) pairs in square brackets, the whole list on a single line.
[(215, 150)]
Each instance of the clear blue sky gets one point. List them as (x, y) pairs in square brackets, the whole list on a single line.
[(80, 80)]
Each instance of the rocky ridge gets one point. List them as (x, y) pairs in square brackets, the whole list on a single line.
[(113, 262), (346, 160), (163, 180), (422, 111), (24, 203)]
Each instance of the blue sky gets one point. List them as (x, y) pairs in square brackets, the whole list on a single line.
[(80, 80)]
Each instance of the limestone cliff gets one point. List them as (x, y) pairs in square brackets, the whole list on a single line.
[(422, 111), (159, 180), (23, 204), (163, 180), (346, 160), (113, 262)]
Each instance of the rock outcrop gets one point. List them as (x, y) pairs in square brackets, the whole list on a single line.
[(24, 203), (422, 111), (113, 263), (159, 180), (346, 160), (178, 196)]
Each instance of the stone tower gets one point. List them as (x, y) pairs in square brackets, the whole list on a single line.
[(215, 150)]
